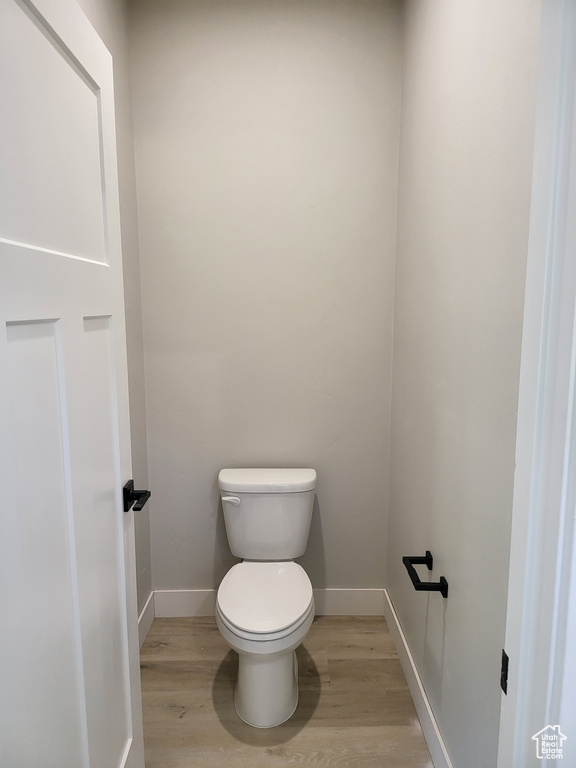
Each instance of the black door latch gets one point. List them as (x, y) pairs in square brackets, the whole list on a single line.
[(138, 498)]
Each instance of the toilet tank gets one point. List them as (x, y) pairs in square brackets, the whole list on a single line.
[(267, 512)]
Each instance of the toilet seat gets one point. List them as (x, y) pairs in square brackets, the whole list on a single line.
[(264, 641), (264, 600)]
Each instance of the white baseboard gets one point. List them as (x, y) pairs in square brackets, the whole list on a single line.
[(438, 751), (329, 602), (172, 603), (146, 618)]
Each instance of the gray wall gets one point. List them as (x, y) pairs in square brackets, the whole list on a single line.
[(110, 19), (465, 179), (266, 147)]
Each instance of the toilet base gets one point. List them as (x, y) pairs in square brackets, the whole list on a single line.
[(267, 691)]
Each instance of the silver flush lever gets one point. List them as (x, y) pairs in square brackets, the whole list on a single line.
[(231, 500)]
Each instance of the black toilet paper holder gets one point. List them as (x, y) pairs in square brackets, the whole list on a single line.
[(425, 586)]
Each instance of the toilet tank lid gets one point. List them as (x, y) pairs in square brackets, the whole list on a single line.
[(267, 480)]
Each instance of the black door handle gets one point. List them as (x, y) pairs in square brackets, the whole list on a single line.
[(138, 498), (425, 586)]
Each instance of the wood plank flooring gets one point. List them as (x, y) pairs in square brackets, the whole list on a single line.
[(354, 707)]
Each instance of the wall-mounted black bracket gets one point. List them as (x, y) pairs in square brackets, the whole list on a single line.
[(425, 586), (138, 498)]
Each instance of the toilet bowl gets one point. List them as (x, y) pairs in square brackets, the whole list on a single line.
[(265, 626), (265, 604)]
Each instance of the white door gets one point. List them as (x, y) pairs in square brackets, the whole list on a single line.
[(69, 685), (541, 618)]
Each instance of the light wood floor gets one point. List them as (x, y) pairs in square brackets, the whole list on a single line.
[(354, 708)]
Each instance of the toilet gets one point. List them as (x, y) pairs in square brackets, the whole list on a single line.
[(265, 604)]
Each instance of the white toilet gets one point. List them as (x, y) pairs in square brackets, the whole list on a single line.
[(265, 604)]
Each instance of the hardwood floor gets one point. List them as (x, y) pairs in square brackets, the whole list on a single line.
[(354, 707)]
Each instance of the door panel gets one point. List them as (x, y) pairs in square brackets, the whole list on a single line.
[(34, 529), (51, 145), (98, 542)]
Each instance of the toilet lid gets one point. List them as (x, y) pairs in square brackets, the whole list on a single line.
[(265, 597)]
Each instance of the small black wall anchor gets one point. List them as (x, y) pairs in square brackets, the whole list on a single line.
[(138, 498), (425, 586)]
